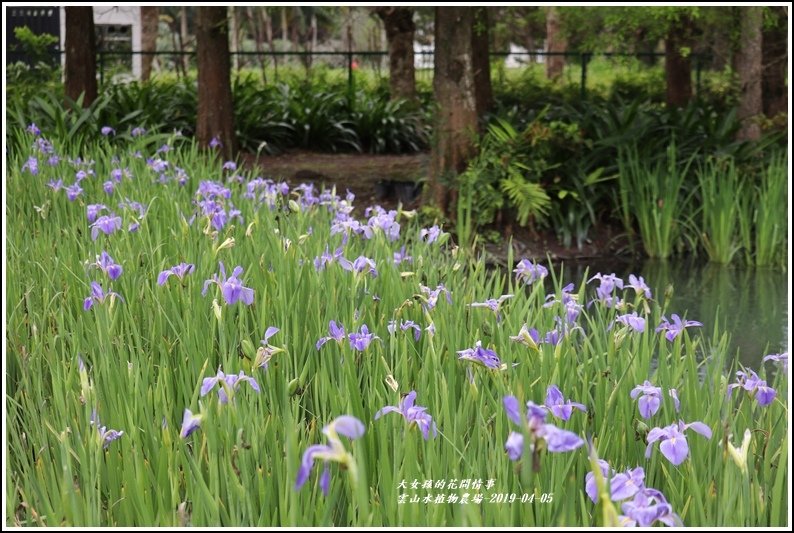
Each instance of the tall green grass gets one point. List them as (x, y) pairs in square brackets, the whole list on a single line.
[(145, 358), (652, 195), (771, 218), (721, 195)]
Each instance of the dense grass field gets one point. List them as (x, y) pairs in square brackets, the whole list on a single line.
[(191, 344)]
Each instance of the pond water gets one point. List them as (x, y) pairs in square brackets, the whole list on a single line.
[(752, 305)]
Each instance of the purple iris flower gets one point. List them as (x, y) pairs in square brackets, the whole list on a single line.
[(347, 426), (31, 165), (493, 303), (639, 286), (360, 341), (98, 295), (430, 235), (527, 336), (109, 186), (55, 185), (674, 395), (93, 210), (361, 264), (230, 165), (106, 436), (651, 399), (632, 320), (73, 191), (781, 358), (266, 352), (676, 328), (215, 142), (757, 387), (566, 296), (402, 256), (530, 272), (106, 263), (606, 289), (190, 423), (555, 402), (107, 130), (431, 295), (336, 333), (557, 440), (673, 443), (622, 486), (648, 506), (228, 382), (137, 132), (481, 356), (327, 258), (553, 337), (232, 288), (405, 325), (413, 414), (107, 224), (181, 270), (32, 128)]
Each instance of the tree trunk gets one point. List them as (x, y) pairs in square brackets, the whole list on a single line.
[(183, 36), (481, 62), (150, 20), (775, 60), (80, 44), (215, 111), (677, 66), (234, 41), (399, 25), (748, 67), (555, 44), (456, 110)]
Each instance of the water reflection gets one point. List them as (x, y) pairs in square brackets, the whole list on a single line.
[(750, 304)]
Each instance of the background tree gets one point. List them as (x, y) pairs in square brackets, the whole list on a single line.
[(215, 111), (400, 27), (150, 21), (775, 61), (555, 44), (749, 68), (456, 110), (481, 61), (80, 44)]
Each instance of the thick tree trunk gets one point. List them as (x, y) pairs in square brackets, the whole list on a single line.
[(215, 111), (555, 44), (748, 67), (80, 44), (456, 111), (481, 62), (150, 19), (400, 27), (677, 67), (775, 61)]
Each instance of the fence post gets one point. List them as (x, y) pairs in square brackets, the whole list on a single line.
[(585, 57)]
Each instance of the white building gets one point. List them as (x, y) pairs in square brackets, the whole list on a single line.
[(117, 26)]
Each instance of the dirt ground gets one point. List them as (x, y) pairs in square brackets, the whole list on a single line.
[(387, 179)]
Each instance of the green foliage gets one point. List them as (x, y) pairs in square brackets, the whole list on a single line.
[(721, 193), (145, 358), (41, 75), (771, 213), (651, 194)]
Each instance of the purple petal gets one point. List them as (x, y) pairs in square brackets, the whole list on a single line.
[(675, 449), (387, 409), (349, 426), (649, 405), (269, 332), (325, 479), (560, 440), (699, 427), (162, 278), (307, 462), (512, 408), (514, 446)]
